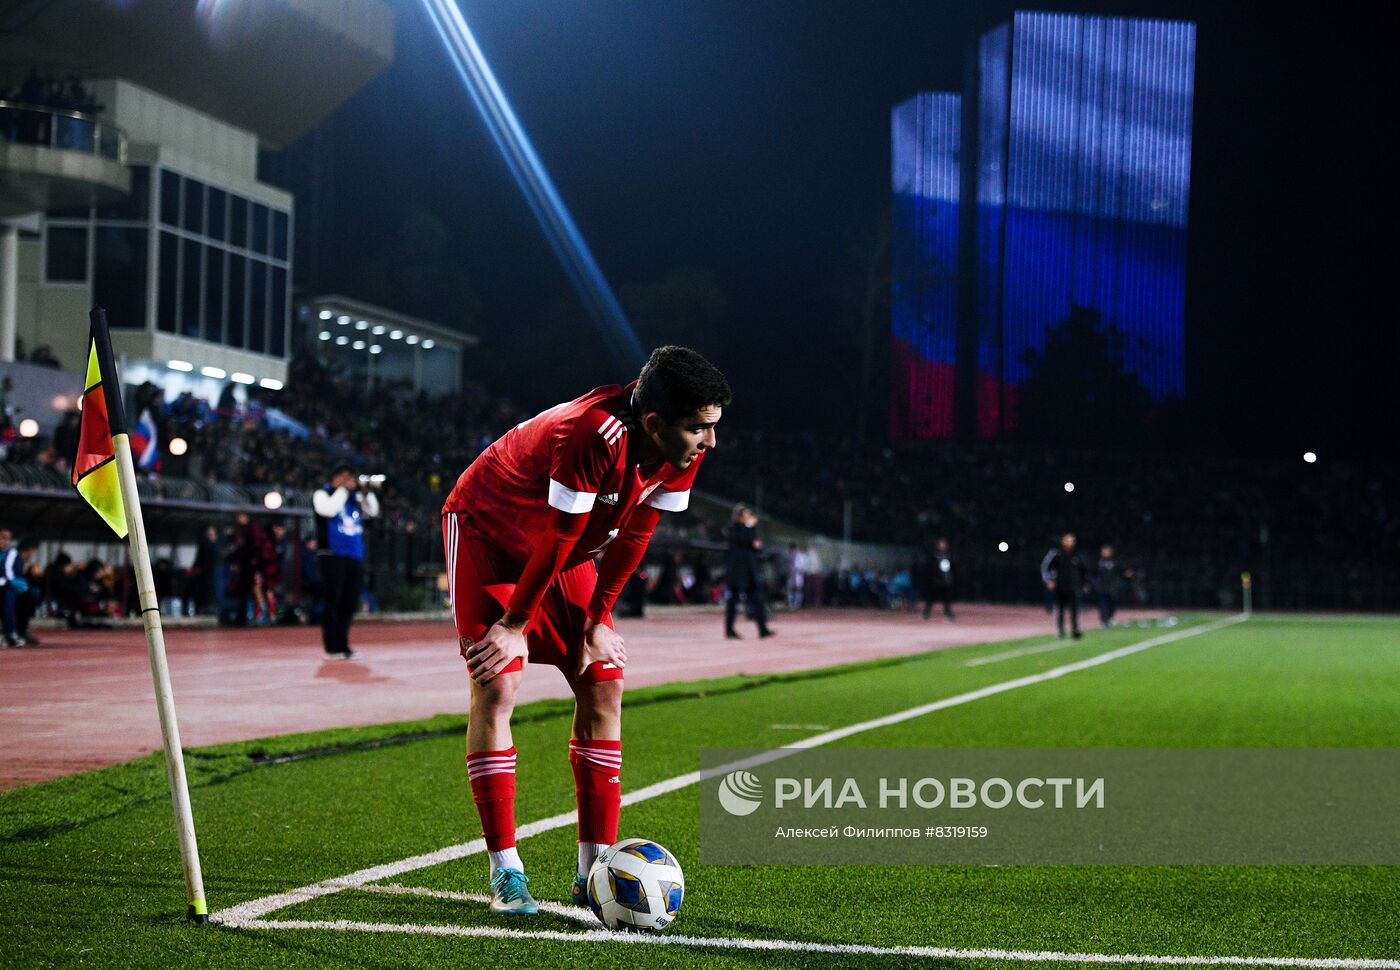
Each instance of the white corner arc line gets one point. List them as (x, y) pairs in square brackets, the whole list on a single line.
[(843, 949), (579, 914), (250, 913)]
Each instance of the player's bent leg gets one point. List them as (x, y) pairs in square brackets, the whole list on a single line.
[(595, 754), (491, 771)]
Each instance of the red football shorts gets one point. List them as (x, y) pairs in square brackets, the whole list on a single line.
[(481, 581)]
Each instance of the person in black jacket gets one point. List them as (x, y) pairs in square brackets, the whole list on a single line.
[(1062, 571), (741, 572), (934, 575)]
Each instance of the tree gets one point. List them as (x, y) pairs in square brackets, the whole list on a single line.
[(1078, 389)]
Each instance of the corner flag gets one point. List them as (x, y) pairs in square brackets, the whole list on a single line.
[(105, 476), (95, 466)]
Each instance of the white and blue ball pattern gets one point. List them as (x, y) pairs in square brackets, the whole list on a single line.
[(636, 885)]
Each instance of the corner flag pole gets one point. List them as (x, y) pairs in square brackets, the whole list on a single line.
[(150, 618)]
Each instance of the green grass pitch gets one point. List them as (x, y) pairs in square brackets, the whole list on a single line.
[(90, 874)]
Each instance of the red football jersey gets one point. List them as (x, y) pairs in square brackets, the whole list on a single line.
[(573, 457)]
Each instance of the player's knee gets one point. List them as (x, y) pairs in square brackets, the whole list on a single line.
[(603, 698), (496, 695)]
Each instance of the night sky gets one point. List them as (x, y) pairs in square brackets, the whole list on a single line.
[(752, 140)]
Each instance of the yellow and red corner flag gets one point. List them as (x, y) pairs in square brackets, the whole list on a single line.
[(105, 476), (95, 473)]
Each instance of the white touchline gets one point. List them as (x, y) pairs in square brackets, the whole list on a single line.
[(1019, 652), (250, 915)]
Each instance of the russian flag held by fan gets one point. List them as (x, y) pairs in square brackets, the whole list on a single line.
[(145, 443)]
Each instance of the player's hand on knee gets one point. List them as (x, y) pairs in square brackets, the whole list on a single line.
[(601, 644), (488, 656)]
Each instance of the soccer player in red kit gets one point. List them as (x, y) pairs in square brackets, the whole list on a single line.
[(522, 528)]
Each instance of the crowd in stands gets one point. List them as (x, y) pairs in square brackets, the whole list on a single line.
[(66, 93), (419, 444), (245, 573), (1187, 525)]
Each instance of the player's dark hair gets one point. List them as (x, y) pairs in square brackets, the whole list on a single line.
[(27, 543), (342, 468), (676, 382)]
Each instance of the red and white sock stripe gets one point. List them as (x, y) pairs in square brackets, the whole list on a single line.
[(483, 763), (606, 757)]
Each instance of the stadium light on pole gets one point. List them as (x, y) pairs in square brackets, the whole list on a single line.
[(515, 147)]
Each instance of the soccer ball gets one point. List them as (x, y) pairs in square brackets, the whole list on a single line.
[(636, 885)]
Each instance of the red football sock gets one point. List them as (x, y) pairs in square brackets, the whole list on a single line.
[(598, 787), (492, 775)]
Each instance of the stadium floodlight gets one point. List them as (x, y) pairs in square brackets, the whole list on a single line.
[(1309, 457), (1003, 547), (378, 329), (411, 339), (28, 428), (358, 345), (178, 446), (395, 334), (1069, 486), (342, 340), (361, 324), (342, 320), (272, 501), (428, 345), (325, 335), (325, 314), (239, 377), (376, 349), (180, 365), (218, 373), (530, 175), (271, 383)]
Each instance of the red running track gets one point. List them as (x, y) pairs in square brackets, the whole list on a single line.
[(84, 699)]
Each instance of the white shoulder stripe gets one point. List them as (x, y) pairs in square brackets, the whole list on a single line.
[(565, 499), (669, 501), (612, 430)]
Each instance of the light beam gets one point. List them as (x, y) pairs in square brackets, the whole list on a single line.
[(515, 147)]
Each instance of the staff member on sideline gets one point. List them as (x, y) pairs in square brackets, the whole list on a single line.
[(742, 573), (340, 541), (1064, 575)]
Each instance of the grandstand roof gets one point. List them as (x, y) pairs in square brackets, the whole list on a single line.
[(359, 309), (272, 67)]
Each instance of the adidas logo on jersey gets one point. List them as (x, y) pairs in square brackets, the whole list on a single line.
[(612, 429), (609, 499)]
